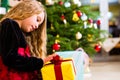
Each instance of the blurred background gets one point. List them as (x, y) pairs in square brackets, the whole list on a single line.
[(93, 25)]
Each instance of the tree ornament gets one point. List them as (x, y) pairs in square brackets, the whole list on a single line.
[(90, 20), (62, 17), (49, 2), (56, 46), (60, 3), (77, 2), (85, 24), (90, 37), (75, 17), (64, 21), (57, 36), (95, 26), (84, 17), (52, 28), (97, 48), (57, 40), (98, 22), (67, 4), (79, 13), (78, 35), (90, 25)]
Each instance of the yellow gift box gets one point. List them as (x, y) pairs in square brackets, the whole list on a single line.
[(67, 71)]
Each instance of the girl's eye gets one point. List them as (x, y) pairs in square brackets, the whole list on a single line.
[(38, 19)]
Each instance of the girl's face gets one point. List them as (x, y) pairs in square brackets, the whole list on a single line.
[(31, 23)]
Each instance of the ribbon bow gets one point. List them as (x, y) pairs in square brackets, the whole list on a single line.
[(56, 60)]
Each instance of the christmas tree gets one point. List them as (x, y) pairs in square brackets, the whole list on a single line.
[(71, 25)]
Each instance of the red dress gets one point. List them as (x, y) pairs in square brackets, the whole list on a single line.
[(11, 74), (6, 74)]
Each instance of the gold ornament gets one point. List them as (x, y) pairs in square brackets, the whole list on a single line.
[(75, 17), (52, 28), (57, 35), (57, 40), (90, 37)]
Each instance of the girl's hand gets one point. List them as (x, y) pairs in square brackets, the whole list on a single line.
[(49, 57)]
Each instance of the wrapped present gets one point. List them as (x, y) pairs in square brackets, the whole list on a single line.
[(60, 70), (78, 60), (110, 43)]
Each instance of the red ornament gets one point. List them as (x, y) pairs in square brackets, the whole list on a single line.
[(62, 17), (79, 13), (98, 22), (97, 48), (90, 21), (56, 46), (60, 3)]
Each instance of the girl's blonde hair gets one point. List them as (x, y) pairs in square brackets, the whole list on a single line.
[(36, 39)]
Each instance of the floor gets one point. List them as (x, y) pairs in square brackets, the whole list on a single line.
[(104, 68)]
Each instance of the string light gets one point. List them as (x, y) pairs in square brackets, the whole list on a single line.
[(92, 1)]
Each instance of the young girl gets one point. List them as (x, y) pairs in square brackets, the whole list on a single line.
[(23, 41)]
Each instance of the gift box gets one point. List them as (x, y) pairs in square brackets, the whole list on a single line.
[(78, 61), (63, 70)]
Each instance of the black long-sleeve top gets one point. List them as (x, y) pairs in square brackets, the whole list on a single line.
[(11, 39)]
